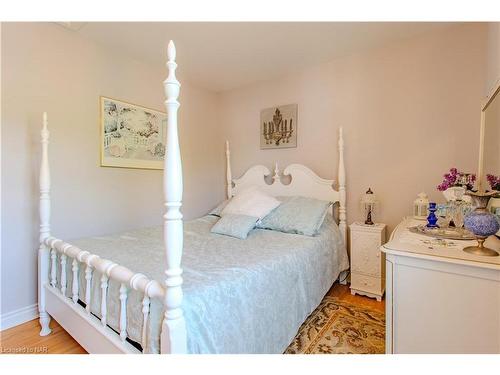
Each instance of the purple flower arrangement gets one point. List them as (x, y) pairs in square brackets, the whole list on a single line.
[(456, 178), (494, 181)]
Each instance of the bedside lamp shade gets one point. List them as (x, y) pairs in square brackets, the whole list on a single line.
[(368, 203)]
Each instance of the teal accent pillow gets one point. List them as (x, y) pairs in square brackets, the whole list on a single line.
[(298, 215), (235, 225)]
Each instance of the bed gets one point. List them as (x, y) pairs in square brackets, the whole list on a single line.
[(227, 296)]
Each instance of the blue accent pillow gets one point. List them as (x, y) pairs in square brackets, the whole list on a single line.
[(234, 225), (298, 215)]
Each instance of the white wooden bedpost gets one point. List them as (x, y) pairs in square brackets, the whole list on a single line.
[(43, 250), (229, 177), (173, 335), (342, 198)]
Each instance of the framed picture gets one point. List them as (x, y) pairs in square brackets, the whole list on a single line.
[(132, 136), (278, 127)]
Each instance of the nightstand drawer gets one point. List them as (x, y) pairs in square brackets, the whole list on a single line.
[(366, 283), (365, 254)]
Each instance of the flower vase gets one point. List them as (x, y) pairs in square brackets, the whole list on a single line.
[(482, 223), (456, 193)]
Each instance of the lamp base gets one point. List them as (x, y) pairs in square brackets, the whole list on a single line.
[(368, 220), (480, 249)]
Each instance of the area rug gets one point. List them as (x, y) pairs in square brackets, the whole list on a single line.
[(337, 327)]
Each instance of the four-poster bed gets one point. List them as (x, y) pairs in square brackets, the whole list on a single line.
[(108, 308)]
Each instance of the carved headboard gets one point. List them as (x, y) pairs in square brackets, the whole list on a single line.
[(303, 181)]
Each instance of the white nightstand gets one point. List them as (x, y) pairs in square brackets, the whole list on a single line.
[(367, 261)]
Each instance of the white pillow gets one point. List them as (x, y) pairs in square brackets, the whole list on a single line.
[(251, 202)]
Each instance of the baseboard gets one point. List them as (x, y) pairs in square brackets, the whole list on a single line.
[(20, 316)]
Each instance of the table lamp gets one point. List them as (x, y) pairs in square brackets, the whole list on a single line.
[(368, 202)]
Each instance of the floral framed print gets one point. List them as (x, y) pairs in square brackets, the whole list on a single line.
[(132, 136)]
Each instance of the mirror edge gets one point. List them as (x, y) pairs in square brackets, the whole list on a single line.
[(489, 99)]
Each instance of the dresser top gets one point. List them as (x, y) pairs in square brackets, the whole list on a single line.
[(405, 243)]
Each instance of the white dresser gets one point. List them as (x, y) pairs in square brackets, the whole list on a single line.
[(440, 299), (367, 261)]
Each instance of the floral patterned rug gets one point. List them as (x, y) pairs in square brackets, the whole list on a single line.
[(337, 327)]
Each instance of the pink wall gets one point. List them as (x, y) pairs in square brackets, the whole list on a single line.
[(410, 111), (493, 63)]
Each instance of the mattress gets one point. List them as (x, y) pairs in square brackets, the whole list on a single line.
[(240, 296)]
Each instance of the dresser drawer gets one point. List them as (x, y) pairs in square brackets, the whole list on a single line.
[(366, 283), (365, 254)]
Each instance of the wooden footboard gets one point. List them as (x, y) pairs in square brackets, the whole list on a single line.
[(84, 262), (87, 329)]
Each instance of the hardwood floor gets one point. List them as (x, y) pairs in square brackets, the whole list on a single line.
[(25, 338), (343, 293)]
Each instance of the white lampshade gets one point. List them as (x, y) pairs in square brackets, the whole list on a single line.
[(369, 198), (368, 204)]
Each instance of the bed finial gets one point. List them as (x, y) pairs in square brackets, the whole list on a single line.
[(229, 177), (44, 125), (171, 52), (172, 85), (276, 175), (44, 182), (342, 191), (173, 335), (43, 250)]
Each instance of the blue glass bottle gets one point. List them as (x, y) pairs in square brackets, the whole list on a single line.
[(432, 218)]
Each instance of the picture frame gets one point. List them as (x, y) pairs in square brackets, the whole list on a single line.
[(278, 127), (131, 135)]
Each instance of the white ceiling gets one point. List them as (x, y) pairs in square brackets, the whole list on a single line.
[(222, 56)]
